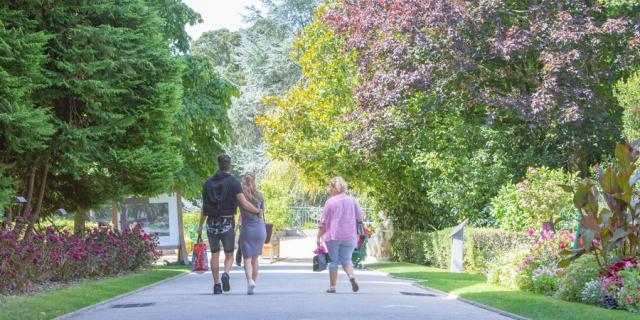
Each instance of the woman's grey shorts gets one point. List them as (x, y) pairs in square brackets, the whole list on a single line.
[(340, 252)]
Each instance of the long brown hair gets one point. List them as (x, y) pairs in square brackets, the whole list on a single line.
[(250, 190)]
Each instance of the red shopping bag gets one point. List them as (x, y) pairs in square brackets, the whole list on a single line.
[(199, 259)]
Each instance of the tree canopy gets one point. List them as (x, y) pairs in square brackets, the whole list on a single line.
[(102, 101), (432, 105)]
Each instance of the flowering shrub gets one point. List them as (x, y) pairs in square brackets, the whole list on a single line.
[(504, 269), (536, 200), (629, 293), (545, 279), (592, 292), (32, 257), (621, 286), (539, 271), (582, 271)]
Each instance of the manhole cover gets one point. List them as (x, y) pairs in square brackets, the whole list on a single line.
[(133, 305), (418, 294)]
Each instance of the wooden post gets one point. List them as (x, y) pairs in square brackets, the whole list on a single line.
[(78, 222), (457, 248), (114, 214), (182, 248)]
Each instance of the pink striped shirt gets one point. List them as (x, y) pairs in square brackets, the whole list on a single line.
[(339, 218)]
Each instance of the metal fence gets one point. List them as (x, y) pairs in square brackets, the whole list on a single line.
[(310, 216)]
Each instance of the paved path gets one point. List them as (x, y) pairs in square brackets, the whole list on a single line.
[(286, 291)]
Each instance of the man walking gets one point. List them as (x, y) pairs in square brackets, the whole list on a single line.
[(221, 195)]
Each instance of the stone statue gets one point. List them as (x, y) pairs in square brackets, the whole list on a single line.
[(379, 245)]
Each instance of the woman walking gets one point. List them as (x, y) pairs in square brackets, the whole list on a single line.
[(338, 230), (253, 232)]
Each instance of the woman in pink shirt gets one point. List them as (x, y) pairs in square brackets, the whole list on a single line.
[(338, 231)]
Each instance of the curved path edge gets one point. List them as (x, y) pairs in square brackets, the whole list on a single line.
[(453, 296), (118, 297)]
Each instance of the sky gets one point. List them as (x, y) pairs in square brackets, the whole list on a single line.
[(219, 14)]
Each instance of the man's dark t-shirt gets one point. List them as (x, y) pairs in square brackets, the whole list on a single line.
[(219, 195)]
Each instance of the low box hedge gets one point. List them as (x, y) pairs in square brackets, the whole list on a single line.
[(434, 248)]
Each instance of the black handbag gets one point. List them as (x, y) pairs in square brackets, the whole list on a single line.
[(359, 228), (320, 262)]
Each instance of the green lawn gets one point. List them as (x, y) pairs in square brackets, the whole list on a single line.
[(474, 287), (56, 302)]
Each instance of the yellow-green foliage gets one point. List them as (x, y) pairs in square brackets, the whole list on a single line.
[(481, 246), (304, 123), (65, 224), (283, 186), (628, 94), (539, 198)]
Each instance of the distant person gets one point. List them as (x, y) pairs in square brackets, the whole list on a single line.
[(337, 229), (221, 195), (253, 231)]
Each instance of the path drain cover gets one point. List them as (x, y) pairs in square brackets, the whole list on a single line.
[(133, 305), (418, 294)]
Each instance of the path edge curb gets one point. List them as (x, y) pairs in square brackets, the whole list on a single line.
[(118, 297), (453, 296)]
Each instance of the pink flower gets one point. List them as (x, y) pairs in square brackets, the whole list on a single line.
[(527, 261), (530, 232), (629, 299)]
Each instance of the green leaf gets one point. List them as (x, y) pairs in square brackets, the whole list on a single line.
[(609, 182), (573, 255), (619, 234), (623, 157), (580, 198), (587, 238), (566, 188)]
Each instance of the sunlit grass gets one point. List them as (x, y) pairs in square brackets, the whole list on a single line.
[(56, 302), (475, 288)]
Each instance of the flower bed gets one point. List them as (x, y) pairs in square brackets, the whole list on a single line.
[(39, 256), (537, 270)]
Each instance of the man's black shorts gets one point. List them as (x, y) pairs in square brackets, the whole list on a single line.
[(221, 230)]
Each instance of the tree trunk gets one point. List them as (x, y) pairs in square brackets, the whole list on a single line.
[(32, 181), (9, 216), (43, 186), (182, 248), (114, 214), (78, 222)]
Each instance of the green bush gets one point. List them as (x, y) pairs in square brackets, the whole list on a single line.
[(545, 281), (628, 93), (190, 223), (481, 245), (581, 271), (505, 208), (592, 292), (64, 224), (535, 200), (504, 269)]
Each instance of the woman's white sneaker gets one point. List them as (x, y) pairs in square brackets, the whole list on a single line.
[(251, 287)]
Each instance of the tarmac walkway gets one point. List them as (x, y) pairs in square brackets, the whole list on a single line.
[(285, 290)]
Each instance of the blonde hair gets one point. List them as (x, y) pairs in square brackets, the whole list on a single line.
[(250, 190), (339, 184)]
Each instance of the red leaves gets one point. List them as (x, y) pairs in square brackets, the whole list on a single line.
[(53, 256), (545, 60)]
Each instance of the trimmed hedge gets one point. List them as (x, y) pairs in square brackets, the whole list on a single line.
[(434, 248)]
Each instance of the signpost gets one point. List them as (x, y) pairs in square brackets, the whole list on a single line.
[(457, 248)]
